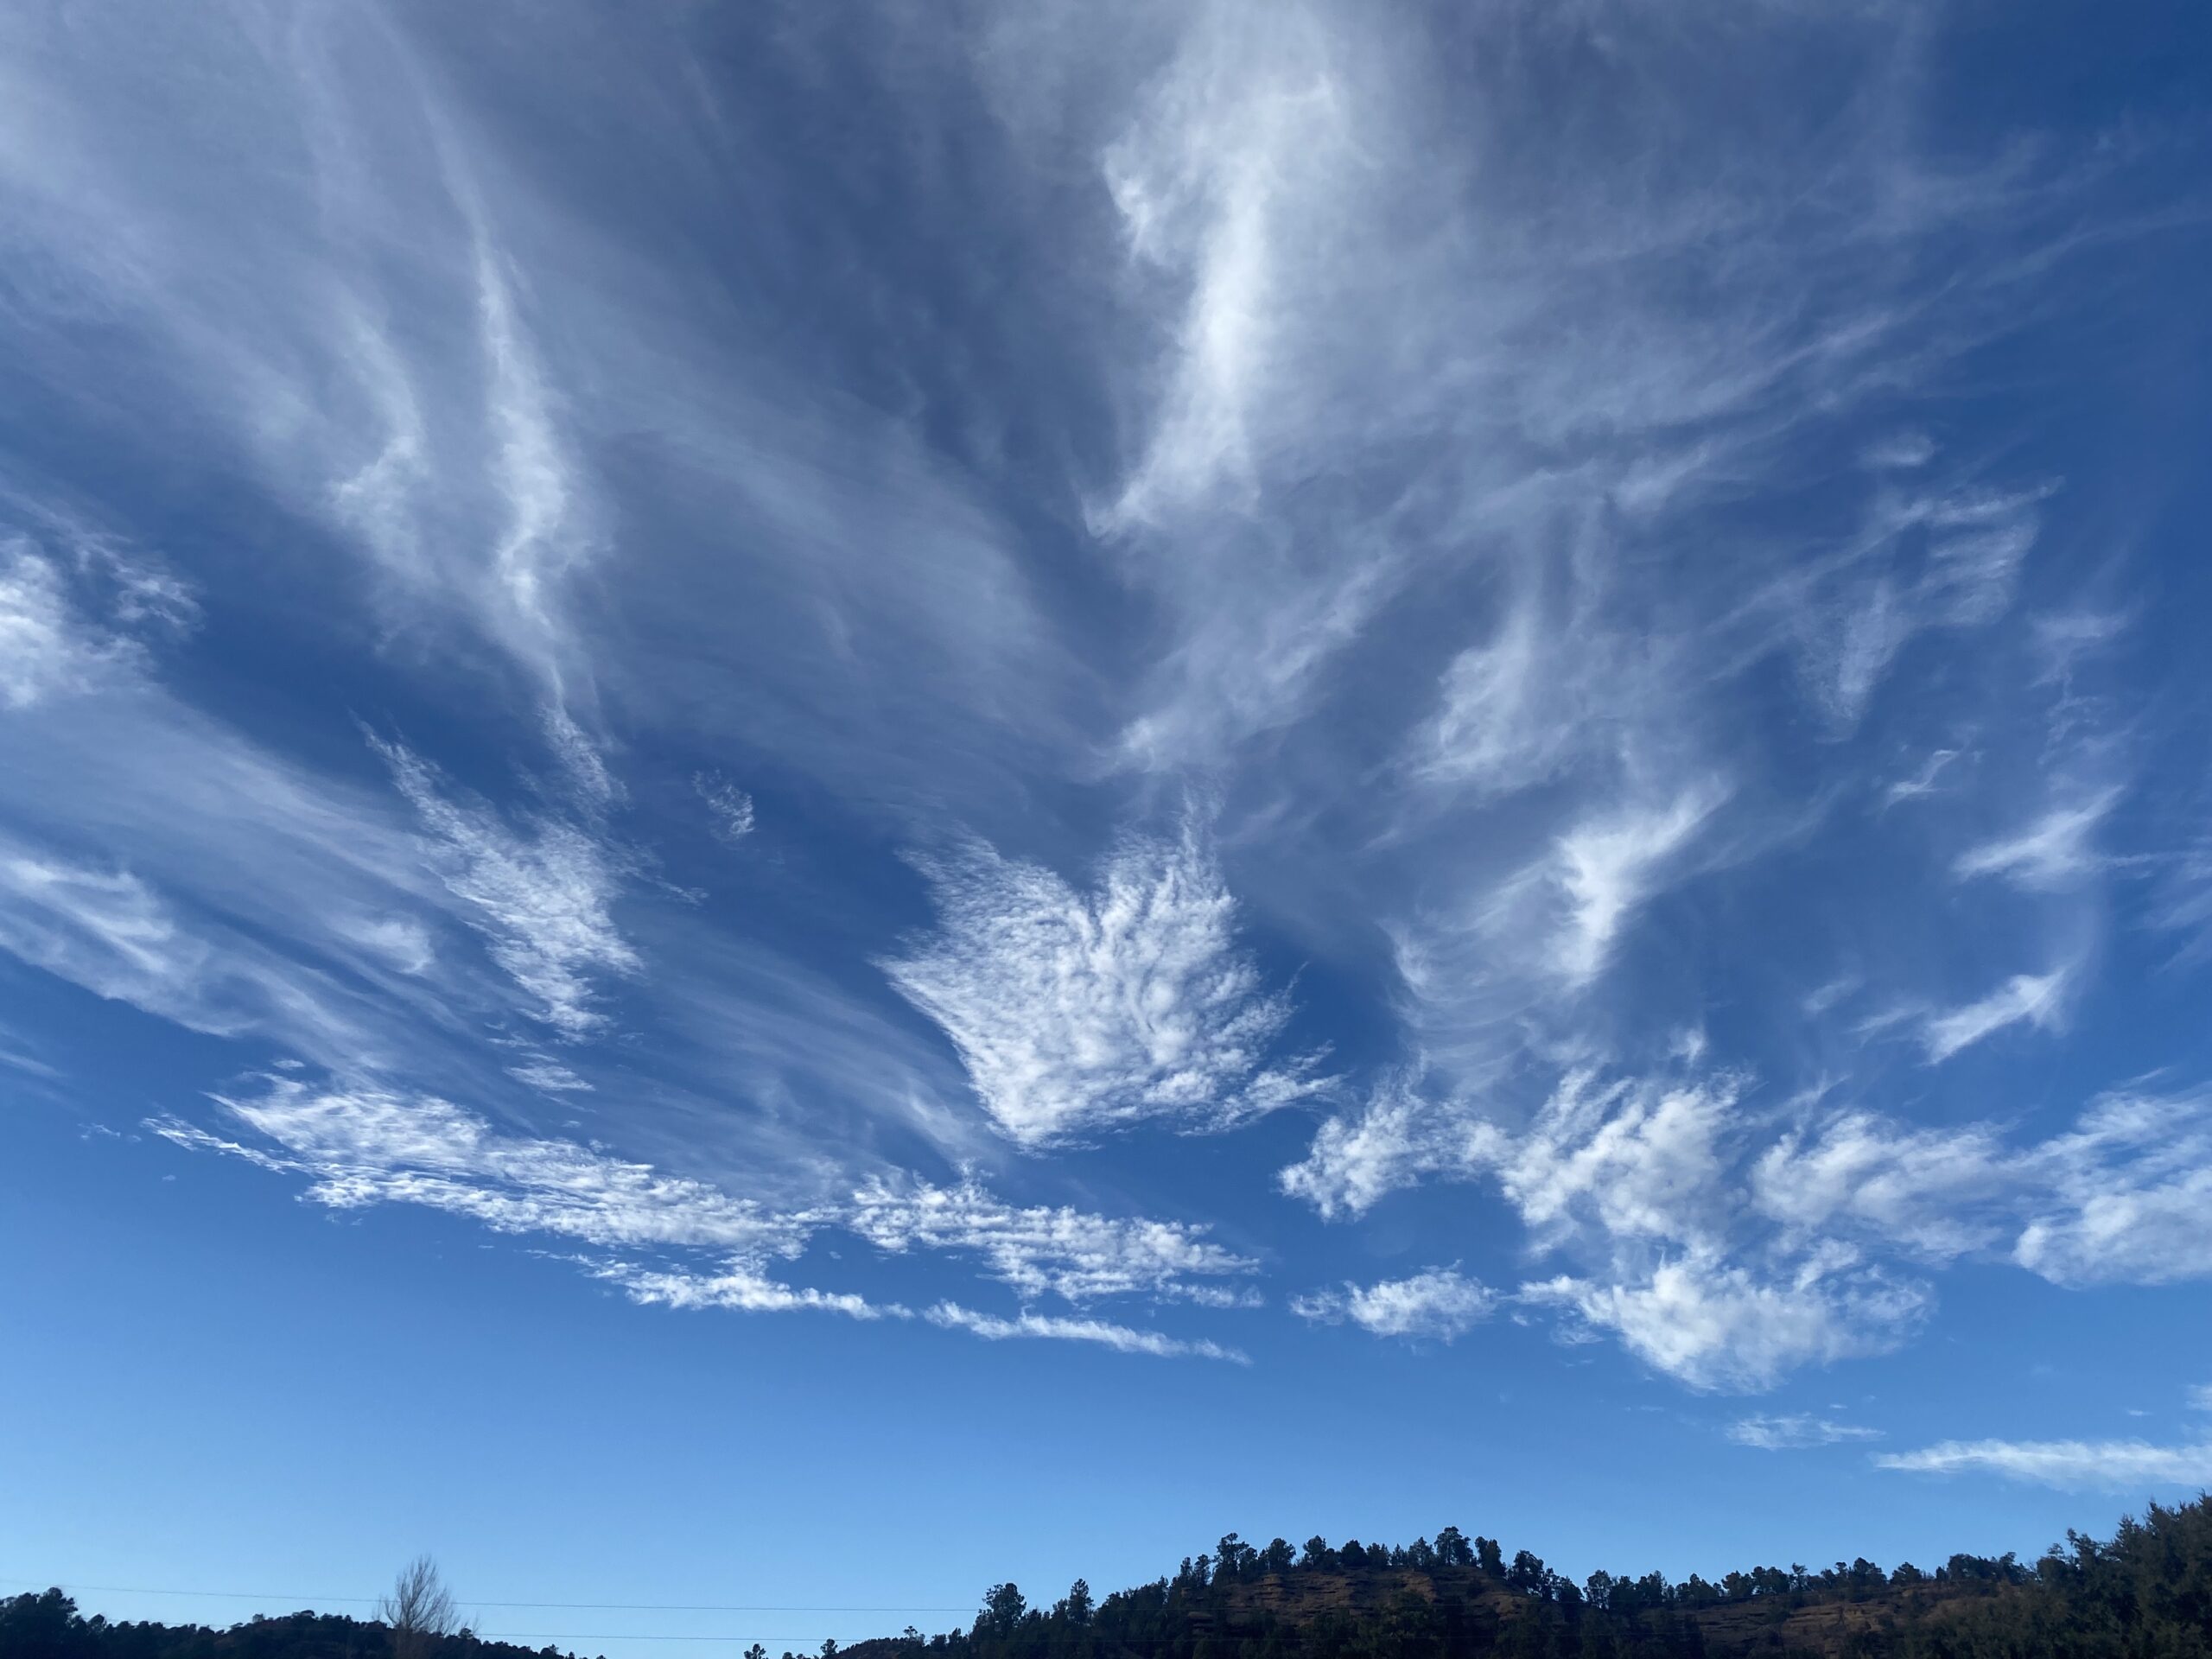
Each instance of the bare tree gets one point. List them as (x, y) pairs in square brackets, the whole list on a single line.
[(418, 1608)]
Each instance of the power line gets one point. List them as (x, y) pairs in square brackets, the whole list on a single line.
[(296, 1599)]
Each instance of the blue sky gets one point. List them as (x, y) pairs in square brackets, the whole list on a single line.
[(806, 805)]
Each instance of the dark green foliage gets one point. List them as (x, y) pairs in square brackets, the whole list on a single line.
[(2145, 1594), (49, 1626)]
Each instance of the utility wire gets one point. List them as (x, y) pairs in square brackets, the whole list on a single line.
[(294, 1597)]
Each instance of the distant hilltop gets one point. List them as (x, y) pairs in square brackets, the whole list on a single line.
[(2144, 1593)]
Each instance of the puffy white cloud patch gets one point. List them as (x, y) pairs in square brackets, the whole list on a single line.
[(1358, 1159), (1440, 1302), (1076, 1011), (2125, 1195), (1727, 1250), (1715, 1325), (1935, 1192), (1626, 1161)]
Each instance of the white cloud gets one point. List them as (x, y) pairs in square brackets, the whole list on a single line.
[(1790, 1433), (47, 648), (1937, 1193), (1623, 1161), (364, 1146), (1402, 427), (1923, 782), (2038, 999), (110, 930), (2200, 1398), (1075, 1012), (740, 1288), (1975, 541), (1236, 150), (548, 1076), (342, 322), (1726, 1253), (541, 543), (1616, 1173), (1519, 708), (1356, 1160), (729, 809), (2116, 1198), (541, 901), (2127, 1193), (1607, 866), (2072, 1465), (1715, 1325), (1440, 1303), (360, 1146), (403, 941), (1906, 450), (1076, 1256), (105, 929), (1120, 1337), (2055, 852)]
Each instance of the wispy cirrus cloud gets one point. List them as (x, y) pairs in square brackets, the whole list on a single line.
[(361, 1146), (2037, 999), (1075, 1012), (729, 809), (1606, 867), (2071, 1466), (1795, 1431), (1037, 1250), (1055, 1328), (739, 1288), (366, 1146), (46, 649), (541, 899), (2056, 850), (1537, 496)]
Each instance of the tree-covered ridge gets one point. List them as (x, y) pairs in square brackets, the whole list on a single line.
[(48, 1625), (2145, 1593)]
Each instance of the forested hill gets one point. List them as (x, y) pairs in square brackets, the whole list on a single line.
[(2144, 1593), (49, 1625)]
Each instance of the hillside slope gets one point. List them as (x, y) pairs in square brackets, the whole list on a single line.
[(2145, 1593)]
